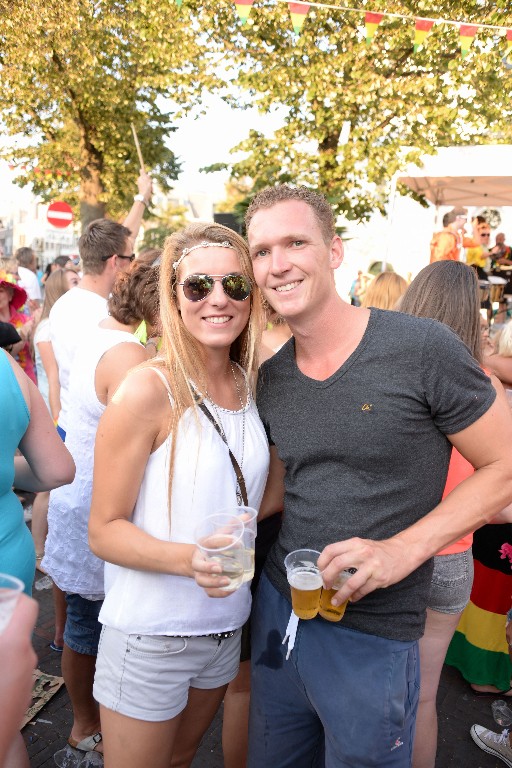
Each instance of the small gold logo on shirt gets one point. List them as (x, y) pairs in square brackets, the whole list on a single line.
[(367, 407)]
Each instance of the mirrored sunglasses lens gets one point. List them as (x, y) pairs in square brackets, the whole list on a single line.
[(237, 287), (197, 287)]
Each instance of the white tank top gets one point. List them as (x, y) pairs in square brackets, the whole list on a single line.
[(68, 558), (204, 481)]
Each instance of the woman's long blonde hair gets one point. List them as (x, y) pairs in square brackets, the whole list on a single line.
[(55, 287), (384, 291), (181, 355)]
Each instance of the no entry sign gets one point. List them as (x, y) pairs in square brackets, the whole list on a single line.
[(59, 214)]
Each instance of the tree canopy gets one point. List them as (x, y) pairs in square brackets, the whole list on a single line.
[(76, 74), (382, 96)]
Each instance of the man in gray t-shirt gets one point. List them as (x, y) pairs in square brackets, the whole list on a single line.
[(361, 408)]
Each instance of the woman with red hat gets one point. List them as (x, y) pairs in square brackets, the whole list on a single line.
[(12, 298)]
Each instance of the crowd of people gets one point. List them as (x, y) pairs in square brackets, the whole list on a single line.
[(228, 374)]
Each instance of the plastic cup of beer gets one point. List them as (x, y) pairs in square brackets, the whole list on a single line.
[(10, 590), (305, 581), (220, 537), (327, 609)]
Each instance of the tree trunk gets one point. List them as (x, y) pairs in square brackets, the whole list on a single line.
[(328, 154), (91, 186)]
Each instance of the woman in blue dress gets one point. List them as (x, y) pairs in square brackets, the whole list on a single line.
[(44, 463)]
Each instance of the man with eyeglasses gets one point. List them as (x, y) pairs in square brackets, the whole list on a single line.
[(477, 255), (361, 408), (106, 248)]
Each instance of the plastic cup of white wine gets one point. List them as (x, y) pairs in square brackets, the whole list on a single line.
[(10, 590), (220, 537)]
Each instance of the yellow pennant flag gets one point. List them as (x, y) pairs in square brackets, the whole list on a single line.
[(372, 21), (467, 35), (244, 8), (298, 12), (421, 30)]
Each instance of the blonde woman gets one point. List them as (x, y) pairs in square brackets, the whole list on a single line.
[(384, 291), (57, 284), (167, 651)]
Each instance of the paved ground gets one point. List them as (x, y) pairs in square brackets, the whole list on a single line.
[(458, 710)]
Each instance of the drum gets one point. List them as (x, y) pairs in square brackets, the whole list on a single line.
[(485, 290), (497, 288)]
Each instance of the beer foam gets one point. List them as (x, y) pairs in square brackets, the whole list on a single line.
[(305, 580)]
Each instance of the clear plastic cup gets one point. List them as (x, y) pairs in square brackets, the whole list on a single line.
[(305, 581), (10, 590), (247, 515), (220, 538), (327, 610)]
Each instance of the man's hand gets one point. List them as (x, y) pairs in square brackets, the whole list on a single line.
[(207, 575), (379, 564), (145, 186)]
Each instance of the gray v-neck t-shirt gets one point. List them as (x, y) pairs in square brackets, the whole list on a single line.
[(366, 452)]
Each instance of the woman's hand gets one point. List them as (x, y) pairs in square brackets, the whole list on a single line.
[(207, 575)]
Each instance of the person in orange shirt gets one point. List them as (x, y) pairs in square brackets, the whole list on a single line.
[(446, 245)]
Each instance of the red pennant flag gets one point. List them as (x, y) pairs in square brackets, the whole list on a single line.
[(423, 27), (467, 35), (298, 13), (509, 42), (372, 21), (244, 8)]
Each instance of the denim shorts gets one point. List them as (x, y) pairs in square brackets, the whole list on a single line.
[(343, 699), (452, 580), (82, 630), (148, 677)]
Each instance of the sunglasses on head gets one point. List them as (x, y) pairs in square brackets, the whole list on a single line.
[(198, 287)]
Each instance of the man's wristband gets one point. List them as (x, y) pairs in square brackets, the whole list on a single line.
[(140, 199)]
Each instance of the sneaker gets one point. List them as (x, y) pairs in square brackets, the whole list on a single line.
[(496, 744)]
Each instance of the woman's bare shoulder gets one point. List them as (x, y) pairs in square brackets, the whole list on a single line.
[(144, 389)]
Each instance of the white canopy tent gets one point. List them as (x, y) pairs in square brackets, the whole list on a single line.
[(470, 176)]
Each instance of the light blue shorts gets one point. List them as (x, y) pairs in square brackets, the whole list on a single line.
[(344, 699), (452, 580), (148, 677)]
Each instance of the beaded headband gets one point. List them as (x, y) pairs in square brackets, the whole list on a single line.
[(204, 244)]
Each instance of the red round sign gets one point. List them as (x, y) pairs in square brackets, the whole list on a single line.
[(59, 214)]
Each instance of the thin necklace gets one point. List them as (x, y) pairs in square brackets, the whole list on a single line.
[(239, 497)]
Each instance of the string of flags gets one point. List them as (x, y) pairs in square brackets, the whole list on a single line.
[(422, 26), (39, 171)]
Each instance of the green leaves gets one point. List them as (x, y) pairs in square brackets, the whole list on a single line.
[(392, 97), (75, 75)]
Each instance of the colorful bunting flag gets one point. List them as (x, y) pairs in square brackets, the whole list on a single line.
[(298, 13), (423, 27), (372, 21), (467, 35), (509, 43), (244, 8)]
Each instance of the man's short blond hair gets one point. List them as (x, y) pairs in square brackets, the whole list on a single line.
[(270, 196)]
